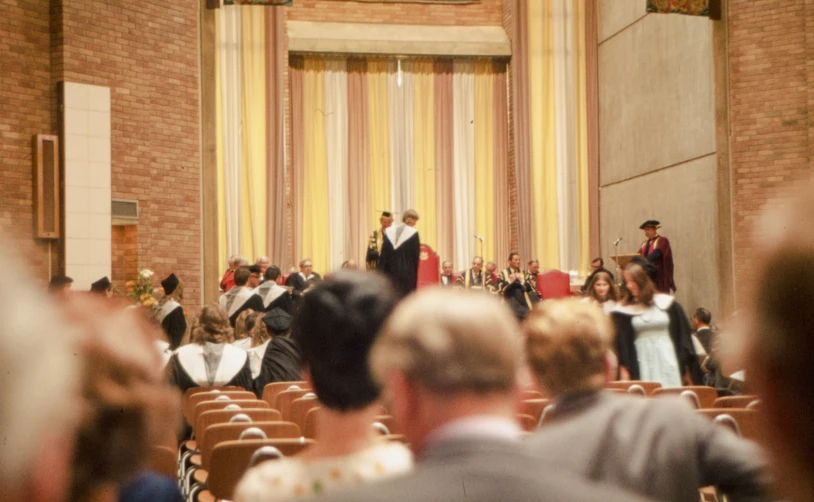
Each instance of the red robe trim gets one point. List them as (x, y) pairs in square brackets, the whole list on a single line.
[(664, 278)]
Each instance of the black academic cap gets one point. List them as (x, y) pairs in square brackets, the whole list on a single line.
[(255, 269), (650, 223), (169, 284), (648, 267), (386, 214), (277, 320), (101, 285)]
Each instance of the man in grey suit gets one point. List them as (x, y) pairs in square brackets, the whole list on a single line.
[(659, 448), (448, 360)]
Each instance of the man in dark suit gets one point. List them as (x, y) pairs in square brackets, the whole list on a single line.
[(660, 448), (448, 361), (700, 321), (304, 280)]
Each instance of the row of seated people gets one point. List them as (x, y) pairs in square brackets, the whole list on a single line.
[(448, 365)]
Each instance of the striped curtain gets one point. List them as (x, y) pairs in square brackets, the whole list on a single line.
[(551, 146), (408, 133)]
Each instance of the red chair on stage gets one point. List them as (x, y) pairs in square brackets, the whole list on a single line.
[(553, 284), (428, 263)]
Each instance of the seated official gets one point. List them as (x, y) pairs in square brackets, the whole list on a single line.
[(301, 282), (515, 289), (241, 296), (660, 448), (281, 360), (475, 277), (448, 361), (335, 328), (210, 360)]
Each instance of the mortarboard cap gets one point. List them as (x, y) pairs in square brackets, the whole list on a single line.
[(101, 285), (169, 284), (651, 270), (277, 320), (386, 214)]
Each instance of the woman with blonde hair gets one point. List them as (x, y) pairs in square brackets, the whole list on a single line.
[(243, 337), (602, 290), (210, 360), (653, 335)]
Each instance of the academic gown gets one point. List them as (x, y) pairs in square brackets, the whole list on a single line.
[(275, 296), (300, 284), (471, 280), (187, 368), (239, 299), (399, 257), (519, 296), (374, 248), (281, 363), (446, 281), (173, 321), (658, 252), (680, 335)]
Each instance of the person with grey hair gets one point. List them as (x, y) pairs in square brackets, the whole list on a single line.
[(228, 281), (400, 254), (660, 448), (447, 360), (304, 280), (38, 393)]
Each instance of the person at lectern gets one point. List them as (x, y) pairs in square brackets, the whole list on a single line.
[(374, 247), (400, 254), (658, 252)]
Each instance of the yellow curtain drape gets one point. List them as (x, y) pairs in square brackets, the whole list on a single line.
[(484, 158), (315, 233), (424, 148), (545, 239), (583, 210), (222, 251), (255, 170), (379, 141)]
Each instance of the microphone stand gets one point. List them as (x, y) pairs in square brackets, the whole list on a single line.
[(481, 245), (619, 278)]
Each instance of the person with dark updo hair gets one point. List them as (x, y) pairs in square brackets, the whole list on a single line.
[(210, 360), (335, 329)]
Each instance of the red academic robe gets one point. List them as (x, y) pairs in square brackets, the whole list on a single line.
[(657, 251)]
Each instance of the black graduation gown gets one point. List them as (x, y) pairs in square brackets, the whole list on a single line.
[(680, 334), (400, 263), (285, 301), (232, 372), (255, 302), (299, 284), (175, 325), (281, 363)]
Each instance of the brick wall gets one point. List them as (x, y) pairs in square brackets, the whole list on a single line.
[(25, 110), (771, 57), (486, 12), (125, 255), (147, 53)]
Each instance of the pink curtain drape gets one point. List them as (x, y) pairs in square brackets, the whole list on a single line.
[(276, 62), (501, 165), (522, 152), (359, 199), (296, 70), (444, 158)]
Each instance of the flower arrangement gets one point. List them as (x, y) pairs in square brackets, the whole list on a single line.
[(141, 289)]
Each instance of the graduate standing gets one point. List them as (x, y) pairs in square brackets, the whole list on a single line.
[(400, 252), (170, 313)]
